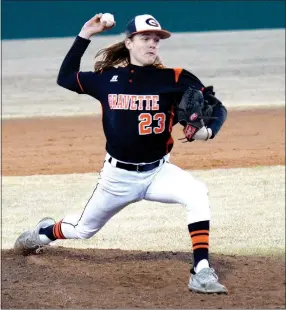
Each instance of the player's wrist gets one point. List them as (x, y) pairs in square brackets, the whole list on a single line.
[(84, 34)]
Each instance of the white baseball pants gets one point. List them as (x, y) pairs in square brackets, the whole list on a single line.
[(117, 188)]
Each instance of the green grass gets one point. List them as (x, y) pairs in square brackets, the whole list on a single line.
[(248, 212)]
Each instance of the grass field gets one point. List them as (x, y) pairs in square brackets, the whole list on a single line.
[(248, 212)]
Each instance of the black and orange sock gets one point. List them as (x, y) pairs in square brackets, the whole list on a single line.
[(53, 232), (199, 233)]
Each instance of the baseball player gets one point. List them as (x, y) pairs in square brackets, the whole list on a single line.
[(138, 96)]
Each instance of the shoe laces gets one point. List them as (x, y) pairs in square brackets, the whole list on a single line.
[(208, 274), (31, 242)]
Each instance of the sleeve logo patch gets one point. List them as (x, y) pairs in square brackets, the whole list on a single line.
[(194, 116)]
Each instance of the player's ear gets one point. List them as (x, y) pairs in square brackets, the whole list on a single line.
[(128, 42)]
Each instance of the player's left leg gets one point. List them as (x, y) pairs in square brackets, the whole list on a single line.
[(174, 185), (116, 188)]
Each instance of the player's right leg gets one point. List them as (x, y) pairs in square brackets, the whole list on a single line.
[(174, 185)]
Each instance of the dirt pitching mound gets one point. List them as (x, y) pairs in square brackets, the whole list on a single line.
[(74, 278)]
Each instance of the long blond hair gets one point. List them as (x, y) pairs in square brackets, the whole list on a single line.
[(116, 55)]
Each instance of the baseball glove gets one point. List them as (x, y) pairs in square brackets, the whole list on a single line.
[(195, 110)]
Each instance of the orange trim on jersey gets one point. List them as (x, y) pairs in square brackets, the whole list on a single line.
[(197, 232), (177, 71), (171, 119), (78, 81), (170, 141)]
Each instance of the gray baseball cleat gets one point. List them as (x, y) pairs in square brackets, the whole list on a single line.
[(29, 241), (206, 281)]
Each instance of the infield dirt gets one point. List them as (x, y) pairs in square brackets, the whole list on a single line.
[(64, 145)]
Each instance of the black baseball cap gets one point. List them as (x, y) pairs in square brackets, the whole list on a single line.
[(145, 23)]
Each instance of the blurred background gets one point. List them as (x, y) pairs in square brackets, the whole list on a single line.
[(47, 19), (237, 46)]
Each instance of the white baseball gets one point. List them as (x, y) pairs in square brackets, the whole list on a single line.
[(108, 18)]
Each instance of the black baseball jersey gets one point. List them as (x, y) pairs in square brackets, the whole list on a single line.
[(137, 104)]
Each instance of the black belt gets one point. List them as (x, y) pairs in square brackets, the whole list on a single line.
[(138, 168)]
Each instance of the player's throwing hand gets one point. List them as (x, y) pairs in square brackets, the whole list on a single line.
[(94, 26)]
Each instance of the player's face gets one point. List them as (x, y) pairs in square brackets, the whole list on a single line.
[(143, 48)]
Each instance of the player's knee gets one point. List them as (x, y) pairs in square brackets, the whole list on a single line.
[(197, 197), (83, 233), (198, 191), (198, 206), (202, 188)]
